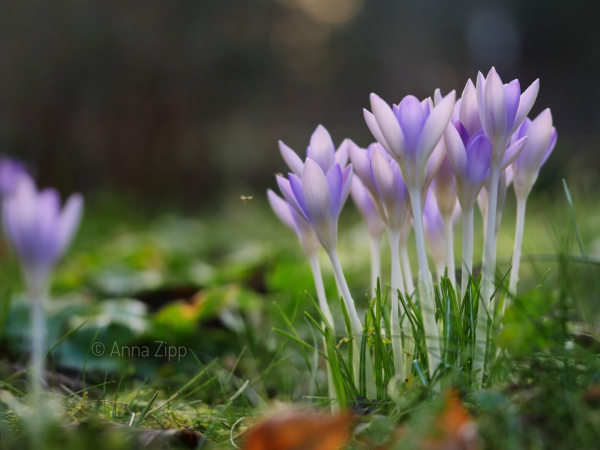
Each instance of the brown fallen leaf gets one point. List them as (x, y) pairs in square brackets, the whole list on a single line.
[(454, 428), (299, 431)]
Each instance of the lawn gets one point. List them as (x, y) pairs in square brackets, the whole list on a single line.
[(165, 329)]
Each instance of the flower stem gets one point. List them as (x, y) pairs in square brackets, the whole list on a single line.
[(488, 269), (322, 298), (318, 278), (449, 237), (427, 302), (355, 323), (375, 247), (397, 285), (408, 278), (516, 258), (467, 250)]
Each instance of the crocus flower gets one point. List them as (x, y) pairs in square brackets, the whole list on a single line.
[(11, 171), (410, 133), (541, 142), (470, 161), (368, 209), (40, 232), (38, 229), (321, 150), (318, 197), (393, 196), (502, 109), (290, 218), (310, 244)]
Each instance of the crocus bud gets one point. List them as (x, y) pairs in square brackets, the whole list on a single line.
[(11, 171), (444, 189), (319, 197), (470, 162), (321, 150), (38, 229), (368, 209), (540, 143), (390, 188), (290, 218), (502, 109), (410, 132)]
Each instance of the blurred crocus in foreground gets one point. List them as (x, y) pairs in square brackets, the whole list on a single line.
[(410, 132), (11, 172), (525, 169), (39, 231)]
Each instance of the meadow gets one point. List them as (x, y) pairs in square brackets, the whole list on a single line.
[(234, 290)]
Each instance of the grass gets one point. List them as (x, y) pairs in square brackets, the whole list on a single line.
[(240, 300)]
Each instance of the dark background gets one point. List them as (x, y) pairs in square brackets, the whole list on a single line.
[(184, 101)]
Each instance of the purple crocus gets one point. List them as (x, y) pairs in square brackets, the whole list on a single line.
[(541, 142), (321, 150), (393, 196), (11, 171), (502, 109), (38, 229), (40, 232), (319, 197), (410, 132)]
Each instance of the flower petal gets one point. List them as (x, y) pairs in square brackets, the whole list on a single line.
[(526, 103), (493, 114), (291, 159), (434, 128), (412, 117), (512, 93), (341, 155), (286, 189), (69, 221), (317, 197), (389, 126), (321, 148), (469, 111), (376, 131), (512, 153), (335, 181), (455, 149), (282, 209)]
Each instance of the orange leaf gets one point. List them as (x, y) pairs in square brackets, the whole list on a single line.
[(299, 431), (454, 428)]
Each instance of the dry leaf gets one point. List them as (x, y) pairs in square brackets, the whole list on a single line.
[(299, 431), (454, 428)]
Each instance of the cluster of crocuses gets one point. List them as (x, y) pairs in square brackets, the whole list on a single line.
[(432, 161), (39, 231)]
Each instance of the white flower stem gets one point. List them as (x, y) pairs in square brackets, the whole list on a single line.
[(467, 250), (449, 238), (375, 247), (516, 258), (427, 302), (488, 269), (397, 285), (36, 291), (324, 306), (408, 278), (322, 298), (355, 323)]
